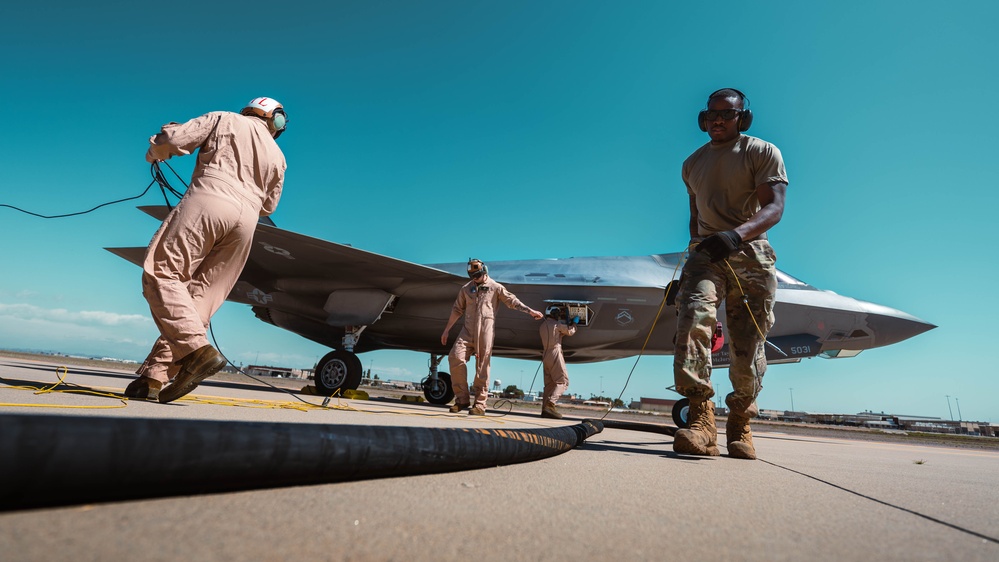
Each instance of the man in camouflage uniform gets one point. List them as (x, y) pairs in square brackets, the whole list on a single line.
[(736, 185)]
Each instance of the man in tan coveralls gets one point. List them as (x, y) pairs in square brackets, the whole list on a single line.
[(556, 376), (196, 256), (736, 185), (477, 302)]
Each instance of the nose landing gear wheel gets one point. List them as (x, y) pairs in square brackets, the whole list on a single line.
[(439, 392)]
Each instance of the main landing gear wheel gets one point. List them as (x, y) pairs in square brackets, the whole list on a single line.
[(338, 371), (680, 411), (440, 392)]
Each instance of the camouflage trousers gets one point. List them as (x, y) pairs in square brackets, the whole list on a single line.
[(746, 277)]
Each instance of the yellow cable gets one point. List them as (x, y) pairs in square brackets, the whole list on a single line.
[(49, 389), (647, 338), (303, 406), (745, 301)]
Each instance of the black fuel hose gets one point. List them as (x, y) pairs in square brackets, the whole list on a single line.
[(639, 426), (64, 460)]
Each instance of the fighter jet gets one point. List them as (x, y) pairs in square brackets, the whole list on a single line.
[(355, 301)]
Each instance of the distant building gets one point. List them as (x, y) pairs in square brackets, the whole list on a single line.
[(654, 404), (876, 420), (665, 405), (389, 383), (872, 420), (278, 372)]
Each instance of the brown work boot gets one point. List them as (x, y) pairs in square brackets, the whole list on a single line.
[(702, 436), (143, 388), (194, 368), (457, 407), (477, 411), (739, 437), (550, 411)]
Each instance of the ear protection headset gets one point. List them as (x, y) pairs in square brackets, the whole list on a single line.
[(280, 121), (745, 117), (271, 111)]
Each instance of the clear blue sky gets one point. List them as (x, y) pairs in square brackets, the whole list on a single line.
[(437, 130)]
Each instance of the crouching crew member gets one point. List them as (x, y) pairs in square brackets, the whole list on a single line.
[(556, 376)]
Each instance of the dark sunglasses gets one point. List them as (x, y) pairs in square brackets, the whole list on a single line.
[(478, 274), (726, 114)]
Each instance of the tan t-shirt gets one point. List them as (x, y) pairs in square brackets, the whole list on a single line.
[(236, 149), (723, 180)]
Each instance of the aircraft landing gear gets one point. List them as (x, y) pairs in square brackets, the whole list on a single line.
[(338, 371), (680, 411), (437, 386)]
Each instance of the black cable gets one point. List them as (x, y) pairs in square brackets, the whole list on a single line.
[(535, 377), (81, 212), (158, 178), (165, 186), (248, 375), (174, 173)]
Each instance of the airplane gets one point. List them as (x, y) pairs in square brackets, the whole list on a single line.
[(355, 301)]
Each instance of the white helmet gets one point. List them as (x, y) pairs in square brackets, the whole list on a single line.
[(271, 110)]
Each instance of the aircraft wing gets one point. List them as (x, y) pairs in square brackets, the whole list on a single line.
[(313, 286)]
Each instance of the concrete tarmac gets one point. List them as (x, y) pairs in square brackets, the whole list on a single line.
[(620, 495)]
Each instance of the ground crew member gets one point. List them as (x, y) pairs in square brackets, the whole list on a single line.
[(196, 256), (556, 377), (477, 302), (736, 185)]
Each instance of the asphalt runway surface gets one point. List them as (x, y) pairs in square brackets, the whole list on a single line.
[(620, 494)]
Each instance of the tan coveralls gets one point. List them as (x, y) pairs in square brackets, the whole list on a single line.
[(196, 256), (556, 376), (478, 304)]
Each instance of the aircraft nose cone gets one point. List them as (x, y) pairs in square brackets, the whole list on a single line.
[(895, 327)]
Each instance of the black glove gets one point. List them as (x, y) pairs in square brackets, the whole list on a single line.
[(672, 290), (720, 245)]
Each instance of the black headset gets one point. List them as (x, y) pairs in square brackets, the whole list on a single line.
[(745, 116)]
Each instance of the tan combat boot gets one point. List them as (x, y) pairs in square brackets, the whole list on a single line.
[(702, 437), (739, 437), (550, 411)]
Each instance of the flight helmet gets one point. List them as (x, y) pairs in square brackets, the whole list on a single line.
[(476, 268), (270, 110)]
